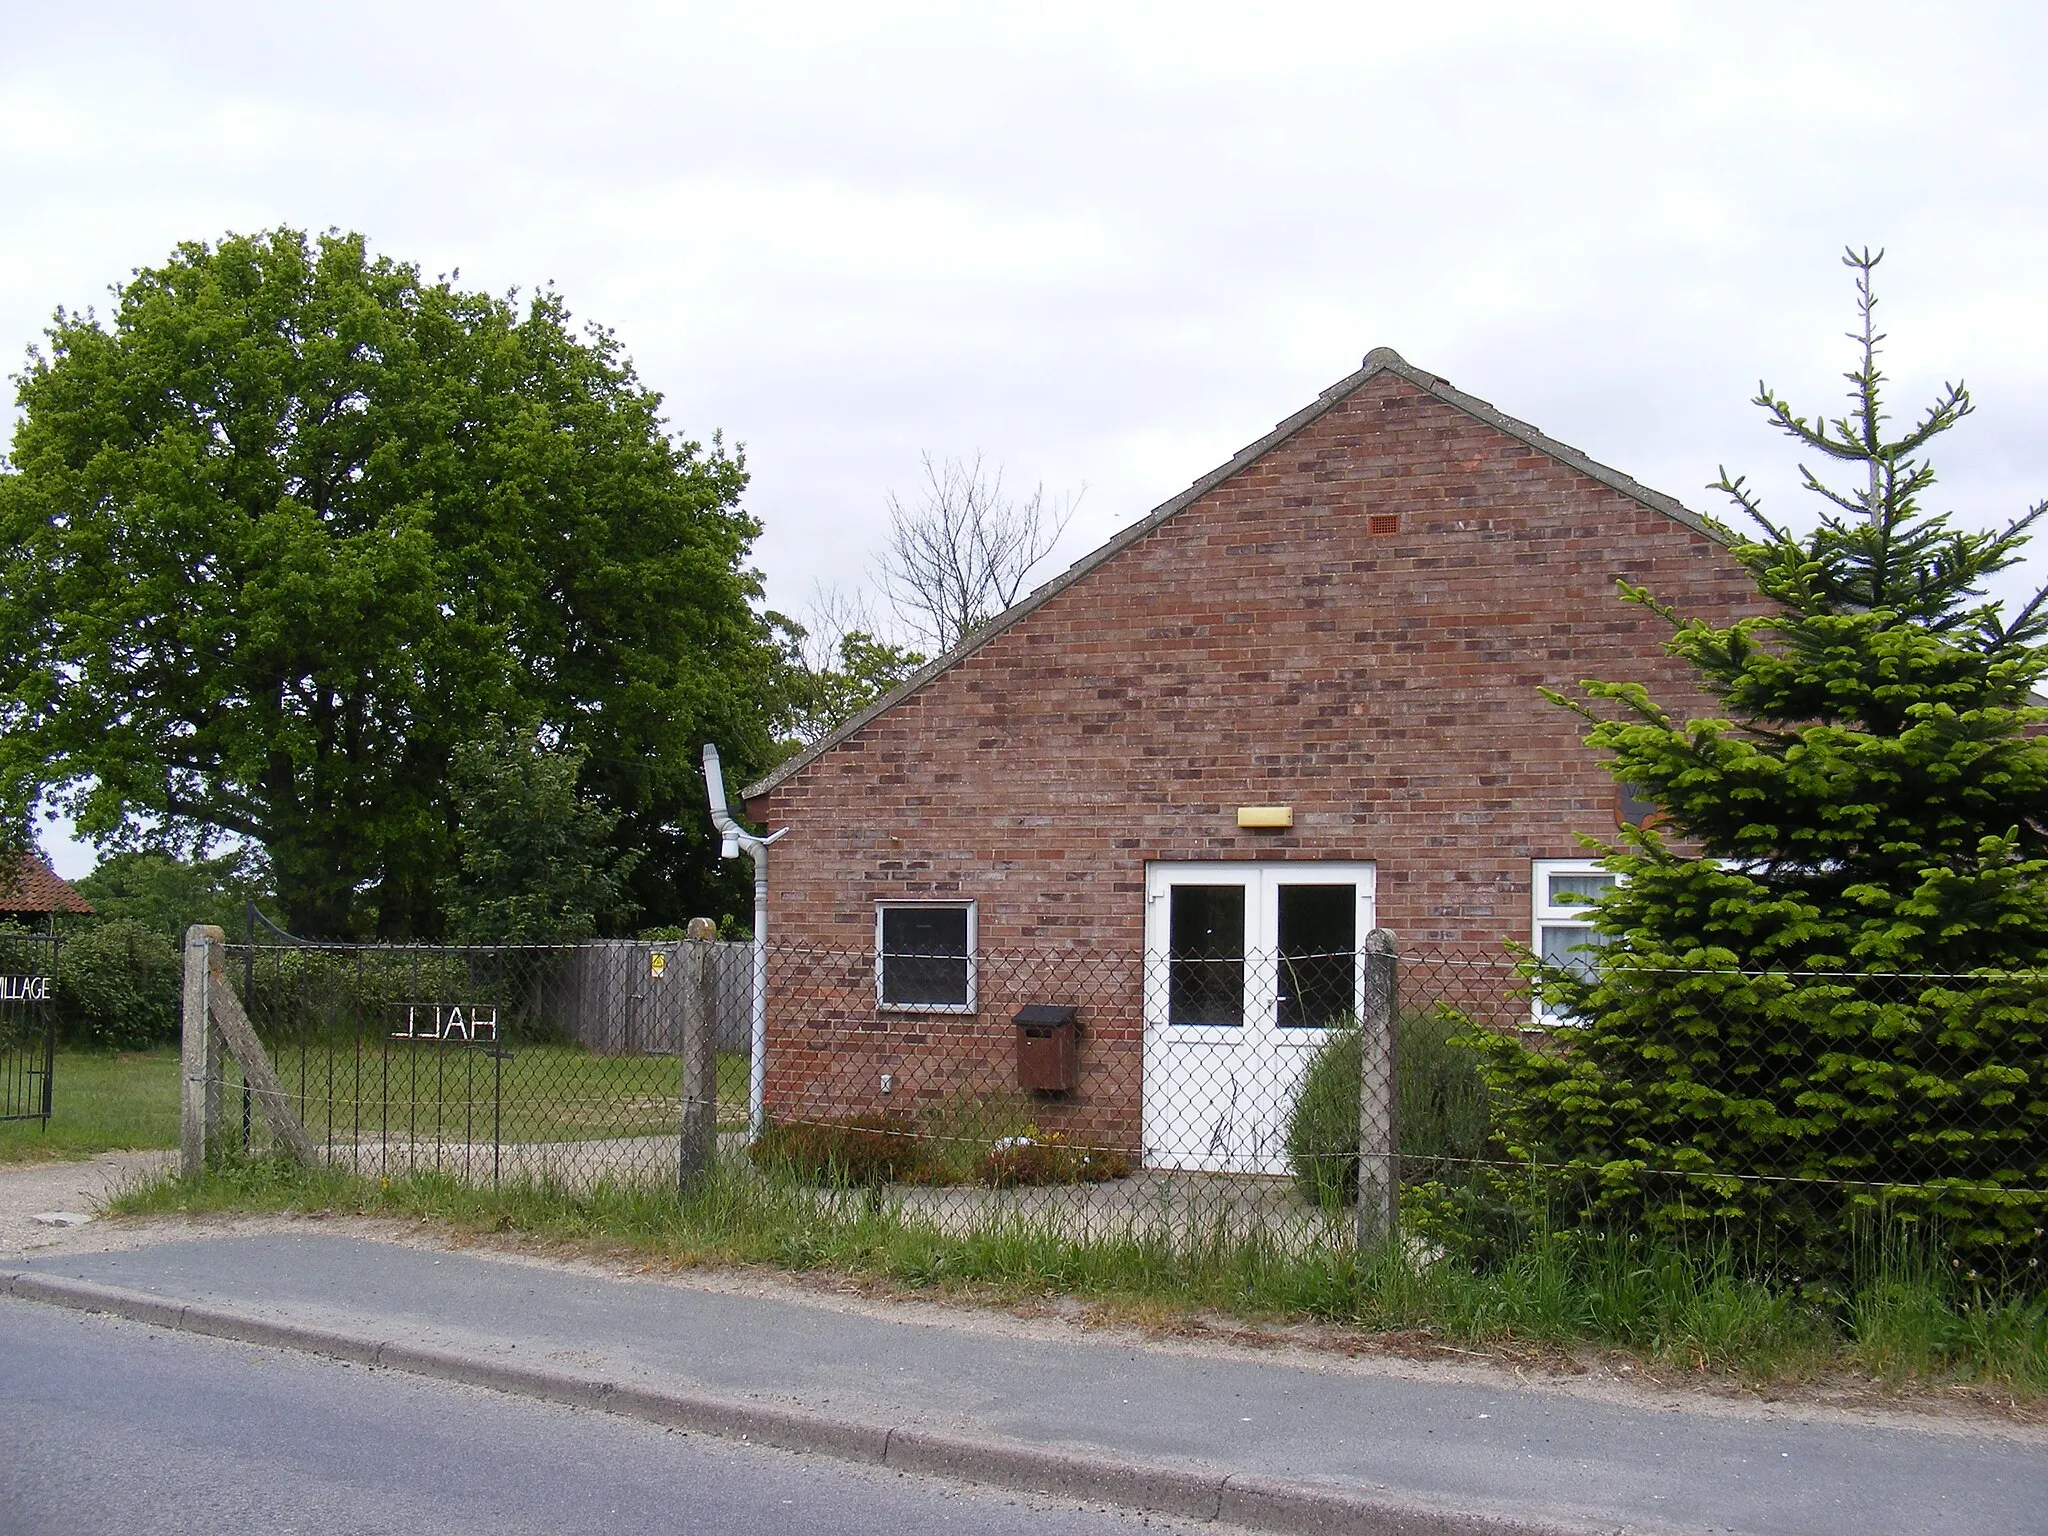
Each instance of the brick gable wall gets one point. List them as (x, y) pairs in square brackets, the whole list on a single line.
[(1263, 646)]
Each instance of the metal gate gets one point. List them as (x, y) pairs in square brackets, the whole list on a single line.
[(28, 1025)]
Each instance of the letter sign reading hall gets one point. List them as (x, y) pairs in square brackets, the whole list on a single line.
[(456, 1021)]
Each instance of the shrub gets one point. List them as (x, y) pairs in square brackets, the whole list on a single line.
[(1440, 1108), (1784, 1108), (167, 894), (1035, 1159), (959, 1129), (858, 1149), (118, 986), (1444, 1108), (1322, 1128)]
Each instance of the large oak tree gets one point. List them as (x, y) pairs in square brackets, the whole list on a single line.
[(296, 523)]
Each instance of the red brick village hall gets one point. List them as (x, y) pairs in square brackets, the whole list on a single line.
[(1175, 787)]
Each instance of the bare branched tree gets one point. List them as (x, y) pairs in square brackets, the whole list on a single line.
[(830, 615), (963, 551)]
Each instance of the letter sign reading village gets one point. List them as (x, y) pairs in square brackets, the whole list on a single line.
[(24, 989), (454, 1021)]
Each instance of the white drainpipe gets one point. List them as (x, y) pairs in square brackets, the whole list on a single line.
[(738, 840)]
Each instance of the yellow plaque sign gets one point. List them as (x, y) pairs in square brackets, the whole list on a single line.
[(1265, 815)]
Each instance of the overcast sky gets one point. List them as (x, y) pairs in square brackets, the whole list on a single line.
[(1105, 244)]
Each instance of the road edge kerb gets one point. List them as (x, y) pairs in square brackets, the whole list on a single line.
[(1256, 1502), (1167, 1490)]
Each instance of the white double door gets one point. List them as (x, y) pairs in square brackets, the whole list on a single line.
[(1247, 966)]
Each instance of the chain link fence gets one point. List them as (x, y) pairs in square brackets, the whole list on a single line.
[(1186, 1097), (556, 1063)]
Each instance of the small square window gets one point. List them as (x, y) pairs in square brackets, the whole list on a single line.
[(924, 955), (1564, 934)]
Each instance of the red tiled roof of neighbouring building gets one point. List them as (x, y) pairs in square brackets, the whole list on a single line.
[(27, 884)]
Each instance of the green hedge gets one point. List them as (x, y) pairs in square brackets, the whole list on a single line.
[(1790, 1110), (1441, 1109), (311, 993), (117, 986)]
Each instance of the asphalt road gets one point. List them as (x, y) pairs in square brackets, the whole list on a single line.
[(1482, 1446), (117, 1427)]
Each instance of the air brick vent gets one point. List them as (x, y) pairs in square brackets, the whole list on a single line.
[(1383, 522)]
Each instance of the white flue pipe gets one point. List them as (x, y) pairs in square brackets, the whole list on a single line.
[(736, 840)]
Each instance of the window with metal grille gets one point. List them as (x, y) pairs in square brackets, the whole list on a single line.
[(924, 955)]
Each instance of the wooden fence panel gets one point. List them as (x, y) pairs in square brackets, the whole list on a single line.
[(611, 996)]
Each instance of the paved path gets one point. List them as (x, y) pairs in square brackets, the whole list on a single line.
[(1286, 1445)]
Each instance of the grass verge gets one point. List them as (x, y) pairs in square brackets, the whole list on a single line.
[(1906, 1324), (107, 1101), (532, 1093), (103, 1101)]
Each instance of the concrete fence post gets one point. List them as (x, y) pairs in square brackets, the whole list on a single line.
[(699, 1053), (216, 1060), (213, 1018), (1379, 1171), (199, 1102)]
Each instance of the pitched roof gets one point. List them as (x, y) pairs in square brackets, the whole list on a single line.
[(27, 884), (1381, 360)]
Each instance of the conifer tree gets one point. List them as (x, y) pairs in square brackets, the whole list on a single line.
[(1823, 982)]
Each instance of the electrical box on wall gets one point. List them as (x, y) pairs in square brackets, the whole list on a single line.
[(1048, 1051)]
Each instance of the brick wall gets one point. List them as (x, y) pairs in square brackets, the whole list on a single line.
[(1264, 646)]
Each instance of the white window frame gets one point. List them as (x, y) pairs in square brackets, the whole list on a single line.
[(1545, 914), (882, 1004)]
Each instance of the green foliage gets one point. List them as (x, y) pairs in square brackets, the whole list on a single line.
[(820, 693), (857, 1149), (1440, 1109), (1322, 1127), (17, 836), (167, 894), (1038, 1158), (1836, 1006), (285, 534), (118, 986), (307, 997), (535, 862)]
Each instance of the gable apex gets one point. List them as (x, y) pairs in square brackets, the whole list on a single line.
[(1380, 360), (1387, 360)]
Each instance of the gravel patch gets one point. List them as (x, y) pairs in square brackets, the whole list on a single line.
[(33, 1193)]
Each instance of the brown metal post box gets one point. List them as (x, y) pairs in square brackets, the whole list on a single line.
[(1048, 1055)]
